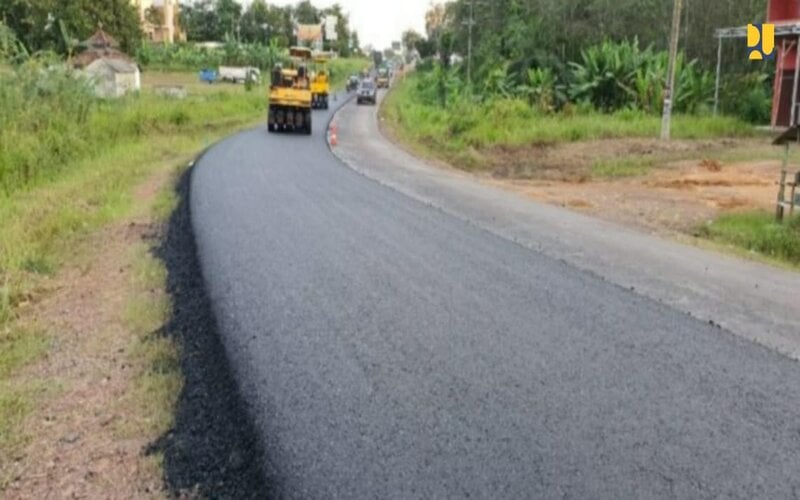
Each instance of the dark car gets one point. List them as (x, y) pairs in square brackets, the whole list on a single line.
[(352, 83), (367, 92)]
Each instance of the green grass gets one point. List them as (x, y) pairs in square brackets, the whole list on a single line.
[(63, 178), (759, 233), (18, 347), (513, 123), (153, 354), (16, 402)]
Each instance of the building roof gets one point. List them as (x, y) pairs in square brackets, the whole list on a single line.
[(115, 65), (100, 40), (101, 45), (87, 57), (782, 28)]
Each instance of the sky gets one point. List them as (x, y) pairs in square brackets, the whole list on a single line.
[(378, 22)]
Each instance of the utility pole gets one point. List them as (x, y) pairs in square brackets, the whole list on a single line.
[(471, 23), (666, 121)]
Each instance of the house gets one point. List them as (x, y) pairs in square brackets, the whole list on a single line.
[(113, 77), (112, 72), (160, 20)]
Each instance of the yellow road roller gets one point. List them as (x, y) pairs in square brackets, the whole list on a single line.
[(290, 94)]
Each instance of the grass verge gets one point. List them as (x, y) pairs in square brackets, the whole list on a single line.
[(757, 232), (510, 122), (47, 215), (18, 347)]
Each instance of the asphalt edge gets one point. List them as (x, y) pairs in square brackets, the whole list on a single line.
[(213, 449)]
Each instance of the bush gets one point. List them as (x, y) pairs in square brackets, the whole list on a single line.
[(51, 118), (749, 97), (611, 76)]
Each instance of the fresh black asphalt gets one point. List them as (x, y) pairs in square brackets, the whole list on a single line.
[(388, 350)]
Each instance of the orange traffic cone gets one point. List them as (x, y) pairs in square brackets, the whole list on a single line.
[(334, 136)]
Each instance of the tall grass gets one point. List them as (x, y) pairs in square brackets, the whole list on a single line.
[(51, 119), (758, 232), (512, 122)]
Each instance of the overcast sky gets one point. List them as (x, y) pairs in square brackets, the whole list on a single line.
[(378, 22)]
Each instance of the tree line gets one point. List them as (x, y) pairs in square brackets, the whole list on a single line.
[(516, 30), (608, 53), (57, 25), (262, 22)]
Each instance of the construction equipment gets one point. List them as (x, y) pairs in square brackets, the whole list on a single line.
[(320, 83), (383, 78), (290, 94)]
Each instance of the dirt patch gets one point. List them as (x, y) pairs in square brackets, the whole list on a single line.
[(76, 450), (91, 435), (673, 197), (711, 165), (572, 162)]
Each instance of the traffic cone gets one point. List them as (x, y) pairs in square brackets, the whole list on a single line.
[(334, 139)]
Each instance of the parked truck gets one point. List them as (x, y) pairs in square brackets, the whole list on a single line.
[(239, 74)]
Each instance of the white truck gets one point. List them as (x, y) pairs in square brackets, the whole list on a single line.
[(236, 74)]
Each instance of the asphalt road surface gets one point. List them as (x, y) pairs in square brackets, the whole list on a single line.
[(390, 350)]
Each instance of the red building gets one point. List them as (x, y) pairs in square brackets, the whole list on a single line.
[(785, 15)]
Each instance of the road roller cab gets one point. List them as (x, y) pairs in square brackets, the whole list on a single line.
[(320, 83), (290, 94)]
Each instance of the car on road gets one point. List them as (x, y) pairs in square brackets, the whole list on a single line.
[(367, 92), (383, 78), (352, 83)]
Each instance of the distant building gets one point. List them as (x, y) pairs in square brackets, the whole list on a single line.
[(160, 20), (112, 72), (310, 35), (114, 77)]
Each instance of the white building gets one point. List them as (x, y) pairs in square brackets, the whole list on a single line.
[(113, 77)]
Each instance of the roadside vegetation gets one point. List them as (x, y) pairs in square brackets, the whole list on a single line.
[(189, 58), (557, 105), (511, 121), (74, 167), (757, 232)]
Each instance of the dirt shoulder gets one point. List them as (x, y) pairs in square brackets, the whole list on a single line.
[(134, 395), (103, 400), (671, 189)]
